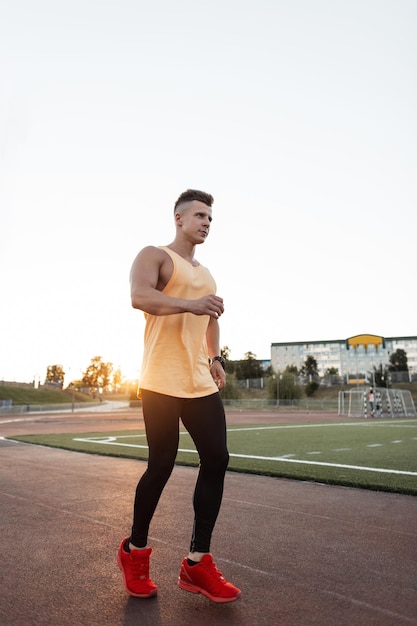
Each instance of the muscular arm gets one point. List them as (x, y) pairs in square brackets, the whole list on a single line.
[(150, 272), (213, 346)]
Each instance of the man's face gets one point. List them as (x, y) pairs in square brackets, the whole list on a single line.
[(195, 219)]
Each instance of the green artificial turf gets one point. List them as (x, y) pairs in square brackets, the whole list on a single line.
[(372, 454)]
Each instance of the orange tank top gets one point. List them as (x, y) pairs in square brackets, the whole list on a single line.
[(175, 358)]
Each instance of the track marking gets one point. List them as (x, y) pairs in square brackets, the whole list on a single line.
[(403, 423), (341, 465), (112, 440)]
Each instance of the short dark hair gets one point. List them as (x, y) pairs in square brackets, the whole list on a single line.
[(194, 194)]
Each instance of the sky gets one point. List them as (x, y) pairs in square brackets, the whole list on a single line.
[(298, 116)]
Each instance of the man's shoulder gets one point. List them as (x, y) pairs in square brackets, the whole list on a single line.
[(150, 256), (153, 252)]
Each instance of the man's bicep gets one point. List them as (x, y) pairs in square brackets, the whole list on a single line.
[(145, 270)]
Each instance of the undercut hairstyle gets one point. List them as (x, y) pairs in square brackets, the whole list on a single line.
[(194, 194)]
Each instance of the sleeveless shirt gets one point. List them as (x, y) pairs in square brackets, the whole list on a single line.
[(175, 358)]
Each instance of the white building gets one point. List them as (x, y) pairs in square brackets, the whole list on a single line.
[(353, 358)]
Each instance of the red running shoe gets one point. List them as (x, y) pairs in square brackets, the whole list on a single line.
[(134, 566), (205, 578)]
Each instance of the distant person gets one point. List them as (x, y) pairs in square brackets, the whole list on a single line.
[(371, 400), (182, 373), (378, 404)]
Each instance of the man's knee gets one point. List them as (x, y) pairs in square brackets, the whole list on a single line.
[(216, 463), (160, 472)]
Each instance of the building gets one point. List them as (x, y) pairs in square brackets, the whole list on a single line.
[(353, 358)]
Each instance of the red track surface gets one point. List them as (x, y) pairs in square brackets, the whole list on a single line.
[(303, 554)]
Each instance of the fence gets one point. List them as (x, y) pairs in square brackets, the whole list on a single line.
[(303, 405), (21, 409)]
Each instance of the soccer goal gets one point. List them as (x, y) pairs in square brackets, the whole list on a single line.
[(387, 403)]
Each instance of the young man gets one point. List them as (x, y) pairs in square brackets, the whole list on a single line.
[(182, 373)]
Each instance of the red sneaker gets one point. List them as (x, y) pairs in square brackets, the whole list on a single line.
[(134, 566), (206, 579)]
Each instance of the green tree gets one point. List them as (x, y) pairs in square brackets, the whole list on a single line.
[(55, 374), (232, 390), (310, 373), (311, 387), (98, 374), (380, 376), (309, 370), (249, 367), (398, 361), (230, 365), (284, 385)]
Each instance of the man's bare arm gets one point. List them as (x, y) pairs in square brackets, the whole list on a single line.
[(213, 346), (149, 274)]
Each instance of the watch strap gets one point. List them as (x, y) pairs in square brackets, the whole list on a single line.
[(221, 360)]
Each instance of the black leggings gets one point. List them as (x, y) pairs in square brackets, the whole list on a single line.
[(205, 421)]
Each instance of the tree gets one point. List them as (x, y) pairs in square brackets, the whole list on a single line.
[(117, 380), (398, 361), (311, 387), (249, 367), (310, 373), (55, 374), (230, 365), (284, 386), (98, 374), (231, 391), (309, 370), (380, 376), (225, 352)]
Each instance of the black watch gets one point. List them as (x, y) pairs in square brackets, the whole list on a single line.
[(220, 359)]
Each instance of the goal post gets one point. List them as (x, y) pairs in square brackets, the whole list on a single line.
[(387, 403)]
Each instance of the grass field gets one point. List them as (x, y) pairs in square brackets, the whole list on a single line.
[(43, 395), (372, 454)]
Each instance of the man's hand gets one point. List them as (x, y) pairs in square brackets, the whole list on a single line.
[(208, 305), (218, 374)]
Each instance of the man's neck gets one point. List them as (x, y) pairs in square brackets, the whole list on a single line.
[(184, 249)]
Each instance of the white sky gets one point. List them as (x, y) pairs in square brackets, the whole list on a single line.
[(299, 116)]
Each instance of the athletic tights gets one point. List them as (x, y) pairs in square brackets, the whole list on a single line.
[(204, 419)]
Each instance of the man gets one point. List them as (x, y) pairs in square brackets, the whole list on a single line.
[(182, 373)]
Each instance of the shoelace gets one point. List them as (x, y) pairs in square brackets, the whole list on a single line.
[(140, 568), (214, 572)]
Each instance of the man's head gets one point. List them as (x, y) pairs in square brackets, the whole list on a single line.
[(193, 194), (193, 216)]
